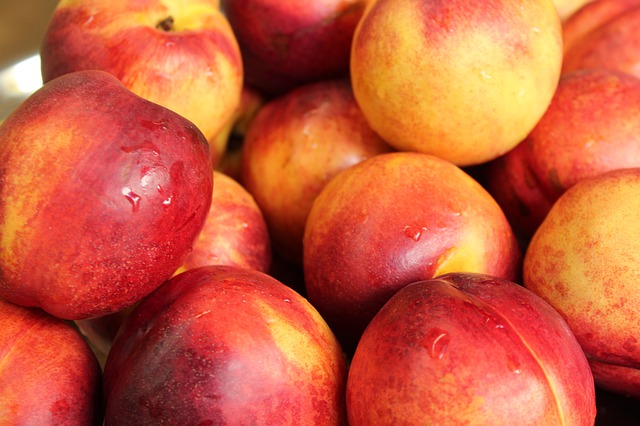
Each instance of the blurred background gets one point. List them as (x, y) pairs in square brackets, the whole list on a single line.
[(22, 25)]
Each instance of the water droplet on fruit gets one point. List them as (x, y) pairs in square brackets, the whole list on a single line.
[(167, 202), (208, 311), (485, 75), (492, 321), (436, 342), (413, 233), (513, 364), (88, 21), (145, 145), (133, 198), (155, 124)]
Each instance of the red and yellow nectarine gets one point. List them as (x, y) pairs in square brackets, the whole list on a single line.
[(225, 345), (464, 80), (393, 219), (590, 127), (585, 261), (295, 145), (103, 193), (469, 349), (182, 55)]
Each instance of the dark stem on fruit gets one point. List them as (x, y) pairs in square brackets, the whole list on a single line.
[(166, 24)]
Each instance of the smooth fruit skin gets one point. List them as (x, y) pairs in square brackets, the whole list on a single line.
[(234, 233), (590, 16), (615, 45), (48, 374), (567, 8), (193, 68), (585, 260), (469, 349), (394, 219), (103, 194), (295, 145), (227, 346), (289, 43), (462, 80), (590, 127)]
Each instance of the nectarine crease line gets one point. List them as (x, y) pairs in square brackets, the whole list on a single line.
[(513, 328)]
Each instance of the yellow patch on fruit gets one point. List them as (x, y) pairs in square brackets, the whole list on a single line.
[(465, 257), (24, 191), (455, 80), (581, 232), (13, 223), (584, 261), (295, 343)]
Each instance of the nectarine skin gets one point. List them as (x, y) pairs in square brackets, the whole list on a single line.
[(393, 219), (464, 80), (289, 43), (614, 44), (590, 127), (585, 261), (102, 195), (469, 349), (192, 66), (567, 8), (590, 16), (48, 374), (234, 233), (227, 346), (295, 145)]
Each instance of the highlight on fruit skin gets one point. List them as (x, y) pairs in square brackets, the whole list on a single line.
[(463, 80), (225, 345), (294, 146), (584, 261), (568, 145), (393, 219), (89, 240), (99, 207), (234, 233), (182, 55), (469, 349), (48, 373)]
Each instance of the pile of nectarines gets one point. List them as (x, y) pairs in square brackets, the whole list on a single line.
[(295, 212)]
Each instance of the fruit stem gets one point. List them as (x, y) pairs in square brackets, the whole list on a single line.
[(166, 24)]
